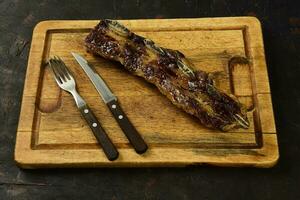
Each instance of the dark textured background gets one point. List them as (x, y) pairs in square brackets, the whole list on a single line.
[(281, 29)]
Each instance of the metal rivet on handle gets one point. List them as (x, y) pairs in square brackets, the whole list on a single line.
[(113, 106), (94, 124), (120, 116), (86, 111)]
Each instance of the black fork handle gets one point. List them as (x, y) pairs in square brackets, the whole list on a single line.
[(108, 147)]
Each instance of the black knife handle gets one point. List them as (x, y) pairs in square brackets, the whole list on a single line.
[(129, 130), (108, 147)]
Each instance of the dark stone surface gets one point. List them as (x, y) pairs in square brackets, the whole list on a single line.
[(281, 29)]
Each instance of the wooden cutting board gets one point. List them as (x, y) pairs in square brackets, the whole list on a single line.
[(51, 132)]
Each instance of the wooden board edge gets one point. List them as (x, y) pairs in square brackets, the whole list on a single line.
[(27, 84), (31, 159), (254, 37), (216, 21)]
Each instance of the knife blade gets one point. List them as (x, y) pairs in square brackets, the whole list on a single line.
[(98, 82), (111, 101)]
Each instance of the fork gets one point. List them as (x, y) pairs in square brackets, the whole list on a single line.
[(66, 81)]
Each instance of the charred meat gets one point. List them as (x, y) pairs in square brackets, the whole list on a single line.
[(191, 90)]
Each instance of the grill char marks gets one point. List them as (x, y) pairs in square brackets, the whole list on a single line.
[(168, 64), (171, 72), (99, 41), (132, 57)]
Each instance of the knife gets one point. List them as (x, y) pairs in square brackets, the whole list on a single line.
[(111, 101)]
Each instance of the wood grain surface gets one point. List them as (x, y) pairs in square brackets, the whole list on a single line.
[(51, 132)]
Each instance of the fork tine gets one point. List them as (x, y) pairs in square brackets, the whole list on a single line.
[(62, 67), (56, 75), (59, 69), (65, 68)]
